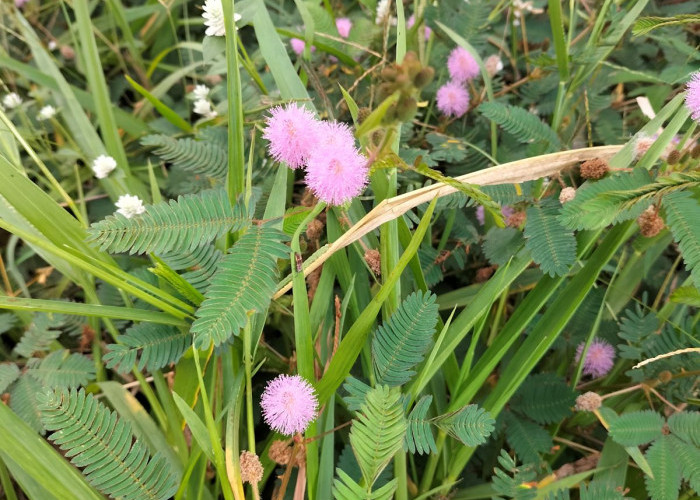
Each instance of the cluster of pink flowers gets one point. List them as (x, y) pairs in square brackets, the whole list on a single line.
[(342, 24), (453, 98), (289, 404), (336, 172), (412, 20), (600, 358), (692, 96)]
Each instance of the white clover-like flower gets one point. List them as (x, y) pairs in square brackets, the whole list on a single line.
[(12, 100), (203, 107), (214, 18), (129, 205), (200, 92), (53, 45), (103, 165), (46, 113)]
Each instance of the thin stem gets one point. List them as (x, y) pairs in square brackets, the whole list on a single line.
[(248, 361)]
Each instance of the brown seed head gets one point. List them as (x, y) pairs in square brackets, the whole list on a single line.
[(374, 261), (314, 230), (588, 401), (516, 219), (594, 169), (251, 468), (665, 376), (567, 194), (67, 52), (650, 223), (484, 274), (280, 452), (674, 157)]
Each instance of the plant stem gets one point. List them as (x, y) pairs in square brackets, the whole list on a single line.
[(248, 363), (561, 49)]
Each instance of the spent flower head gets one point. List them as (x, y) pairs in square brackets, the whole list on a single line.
[(692, 96), (289, 404), (291, 132), (452, 99), (343, 25), (462, 65), (203, 107), (130, 205), (103, 165), (213, 14), (600, 358), (46, 113), (12, 100)]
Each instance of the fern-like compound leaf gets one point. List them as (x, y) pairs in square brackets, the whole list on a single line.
[(527, 438), (682, 216), (62, 369), (23, 401), (419, 435), (158, 345), (545, 398), (635, 428), (500, 244), (206, 158), (599, 490), (200, 265), (38, 336), (345, 488), (377, 433), (357, 392), (470, 424), (667, 473), (552, 247), (100, 443), (9, 372), (175, 226), (7, 321), (688, 458), (686, 426), (522, 124), (400, 343), (244, 281)]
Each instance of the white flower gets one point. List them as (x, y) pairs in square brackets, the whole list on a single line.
[(203, 107), (214, 18), (12, 100), (103, 165), (200, 92), (383, 8), (53, 45), (46, 113), (129, 206)]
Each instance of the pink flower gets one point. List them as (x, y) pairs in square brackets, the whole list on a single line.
[(462, 65), (20, 3), (481, 215), (599, 358), (289, 404), (291, 131), (452, 99), (343, 25), (299, 45), (336, 172), (412, 20), (692, 97)]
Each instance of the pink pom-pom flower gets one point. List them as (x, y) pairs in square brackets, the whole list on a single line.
[(462, 65), (452, 99), (412, 20), (336, 172), (289, 404), (692, 96), (291, 132), (343, 25), (298, 46), (600, 358)]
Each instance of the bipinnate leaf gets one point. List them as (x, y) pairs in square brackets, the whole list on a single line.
[(682, 215), (527, 438), (667, 474), (208, 158), (419, 435), (522, 124), (9, 372), (686, 426), (552, 247), (345, 488), (545, 398), (62, 369), (158, 346), (635, 428), (470, 424), (357, 392)]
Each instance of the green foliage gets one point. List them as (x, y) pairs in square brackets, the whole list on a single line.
[(509, 479), (38, 336), (552, 247), (400, 343), (682, 215), (9, 372), (208, 158), (471, 425), (523, 125), (378, 431), (158, 345), (419, 436), (357, 392), (687, 456), (7, 322), (431, 269), (667, 476), (100, 443), (62, 369), (23, 401), (345, 488), (645, 25), (593, 209), (545, 398), (635, 428), (527, 438), (200, 264), (245, 280), (501, 244), (686, 425), (639, 329), (173, 226), (597, 490)]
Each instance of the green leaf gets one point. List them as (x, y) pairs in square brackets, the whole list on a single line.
[(200, 263), (552, 247), (523, 125), (527, 438), (682, 215), (645, 25), (471, 425), (635, 428), (23, 401), (688, 295), (37, 337), (378, 431), (688, 458), (208, 158), (667, 475), (357, 392), (9, 372), (245, 280), (158, 345), (174, 226), (164, 110), (197, 427), (345, 488), (401, 343), (686, 426), (595, 490), (419, 436), (545, 398), (62, 369), (500, 244), (100, 443)]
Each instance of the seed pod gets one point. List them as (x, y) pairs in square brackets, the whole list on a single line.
[(406, 109), (650, 223), (674, 157), (424, 77)]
